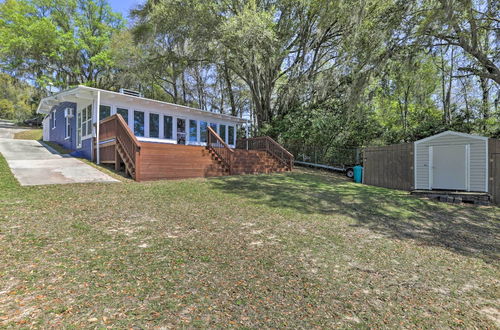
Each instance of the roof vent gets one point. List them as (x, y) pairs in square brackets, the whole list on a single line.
[(130, 92)]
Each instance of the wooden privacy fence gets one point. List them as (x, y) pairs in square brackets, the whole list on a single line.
[(389, 166), (494, 169)]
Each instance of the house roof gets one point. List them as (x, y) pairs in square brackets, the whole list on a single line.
[(472, 136), (89, 93)]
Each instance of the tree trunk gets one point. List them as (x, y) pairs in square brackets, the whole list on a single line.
[(485, 104), (227, 78)]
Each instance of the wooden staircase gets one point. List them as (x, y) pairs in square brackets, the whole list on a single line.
[(121, 145), (125, 159), (254, 162), (252, 156)]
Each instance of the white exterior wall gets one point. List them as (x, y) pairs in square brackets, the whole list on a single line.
[(46, 128), (165, 109), (478, 173)]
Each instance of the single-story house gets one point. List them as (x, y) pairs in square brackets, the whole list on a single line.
[(72, 115), (153, 139)]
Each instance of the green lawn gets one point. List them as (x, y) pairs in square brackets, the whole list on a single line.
[(29, 134), (303, 249), (57, 147)]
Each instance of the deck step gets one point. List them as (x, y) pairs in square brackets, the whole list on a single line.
[(478, 198)]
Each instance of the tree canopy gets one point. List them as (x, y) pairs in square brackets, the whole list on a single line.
[(345, 73)]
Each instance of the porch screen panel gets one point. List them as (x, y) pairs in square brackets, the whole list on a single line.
[(167, 127), (104, 111), (154, 125), (222, 132), (139, 123), (193, 131), (230, 135), (214, 127), (203, 131), (124, 113), (87, 118)]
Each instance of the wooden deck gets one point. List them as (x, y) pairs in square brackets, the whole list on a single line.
[(146, 161)]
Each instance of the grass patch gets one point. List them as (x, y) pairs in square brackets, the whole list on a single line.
[(57, 147), (299, 250), (29, 134), (109, 170), (7, 180)]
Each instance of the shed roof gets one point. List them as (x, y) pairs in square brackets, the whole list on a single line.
[(472, 136)]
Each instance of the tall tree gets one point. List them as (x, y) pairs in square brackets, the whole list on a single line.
[(63, 42), (468, 24)]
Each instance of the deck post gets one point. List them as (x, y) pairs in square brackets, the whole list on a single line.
[(117, 159), (246, 135), (98, 149), (137, 166)]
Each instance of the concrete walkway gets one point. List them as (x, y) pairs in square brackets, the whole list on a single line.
[(33, 164)]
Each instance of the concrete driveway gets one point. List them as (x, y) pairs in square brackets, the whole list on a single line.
[(33, 164), (8, 129)]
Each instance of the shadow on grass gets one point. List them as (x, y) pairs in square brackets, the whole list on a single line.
[(468, 230)]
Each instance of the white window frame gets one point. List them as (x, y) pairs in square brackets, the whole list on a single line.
[(225, 131), (210, 123), (67, 132), (199, 130), (88, 122), (128, 111), (111, 107), (160, 126), (146, 122), (54, 119), (232, 143), (188, 134)]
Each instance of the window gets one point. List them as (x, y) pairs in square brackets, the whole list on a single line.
[(104, 111), (213, 126), (54, 119), (139, 123), (181, 131), (79, 130), (86, 120), (167, 127), (230, 135), (203, 131), (193, 131), (154, 125), (124, 113), (222, 132), (68, 127)]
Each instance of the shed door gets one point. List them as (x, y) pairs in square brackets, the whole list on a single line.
[(449, 167)]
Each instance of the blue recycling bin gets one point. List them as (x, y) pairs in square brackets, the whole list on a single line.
[(358, 173)]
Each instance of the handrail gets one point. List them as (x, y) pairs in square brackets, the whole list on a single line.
[(127, 129), (266, 143), (279, 146), (116, 127), (220, 148)]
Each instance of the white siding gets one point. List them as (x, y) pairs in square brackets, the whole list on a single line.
[(46, 128), (168, 110), (478, 159)]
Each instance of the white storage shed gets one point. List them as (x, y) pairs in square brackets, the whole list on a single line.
[(452, 161)]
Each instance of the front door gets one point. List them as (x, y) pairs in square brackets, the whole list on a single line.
[(449, 167), (181, 131)]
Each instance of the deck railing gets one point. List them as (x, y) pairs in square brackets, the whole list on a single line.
[(266, 143), (220, 148), (127, 145)]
